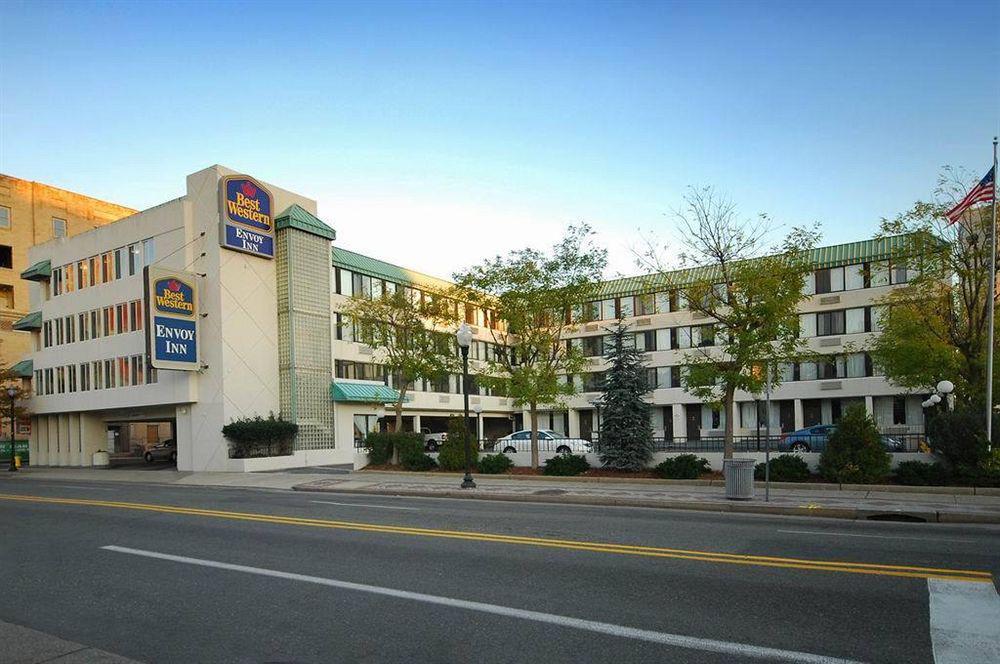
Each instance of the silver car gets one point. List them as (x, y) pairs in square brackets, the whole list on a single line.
[(548, 441), (165, 450)]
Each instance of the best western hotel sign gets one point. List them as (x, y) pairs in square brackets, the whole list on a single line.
[(247, 217), (172, 319)]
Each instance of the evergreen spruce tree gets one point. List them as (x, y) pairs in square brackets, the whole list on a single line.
[(626, 436)]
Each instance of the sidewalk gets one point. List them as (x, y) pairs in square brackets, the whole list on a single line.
[(957, 506), (28, 646), (932, 504)]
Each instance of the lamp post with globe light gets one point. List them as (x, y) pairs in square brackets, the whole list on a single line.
[(464, 338)]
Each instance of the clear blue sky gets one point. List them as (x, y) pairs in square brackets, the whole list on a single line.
[(436, 133)]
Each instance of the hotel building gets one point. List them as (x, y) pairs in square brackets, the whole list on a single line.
[(224, 303)]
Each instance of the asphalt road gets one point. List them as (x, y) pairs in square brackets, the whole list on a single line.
[(236, 575)]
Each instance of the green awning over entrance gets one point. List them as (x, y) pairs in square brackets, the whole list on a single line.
[(32, 321), (363, 392), (23, 369), (40, 271)]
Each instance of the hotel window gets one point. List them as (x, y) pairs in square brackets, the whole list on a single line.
[(47, 333), (593, 346), (664, 302), (98, 374), (37, 387), (133, 258), (858, 320), (6, 256), (344, 282), (645, 305), (70, 329), (6, 297), (121, 318), (109, 374), (645, 341), (56, 281), (124, 374), (830, 322), (4, 216), (899, 410), (82, 322), (82, 274), (60, 380), (150, 374), (84, 377), (71, 377), (830, 280), (60, 337), (109, 321), (58, 227), (854, 276), (148, 251), (608, 310), (119, 262), (136, 367), (92, 271), (69, 278), (95, 323), (625, 307), (50, 382), (135, 313), (107, 267)]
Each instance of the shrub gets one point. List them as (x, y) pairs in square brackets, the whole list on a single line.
[(418, 461), (258, 437), (784, 468), (495, 464), (918, 473), (959, 437), (683, 467), (855, 453), (566, 464), (452, 456), (381, 445)]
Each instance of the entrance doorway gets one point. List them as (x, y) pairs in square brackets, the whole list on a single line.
[(692, 413)]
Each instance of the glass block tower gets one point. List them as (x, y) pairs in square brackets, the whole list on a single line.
[(302, 255)]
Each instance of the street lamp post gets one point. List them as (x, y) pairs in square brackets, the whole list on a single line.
[(11, 393), (464, 338)]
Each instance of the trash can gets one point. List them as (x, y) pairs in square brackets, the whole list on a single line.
[(101, 459), (739, 478)]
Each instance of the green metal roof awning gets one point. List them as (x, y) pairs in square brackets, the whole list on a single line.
[(40, 271), (32, 321), (299, 218), (363, 392), (23, 369)]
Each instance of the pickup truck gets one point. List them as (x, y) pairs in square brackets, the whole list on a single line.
[(433, 441)]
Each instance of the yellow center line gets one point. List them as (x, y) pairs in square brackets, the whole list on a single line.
[(577, 545)]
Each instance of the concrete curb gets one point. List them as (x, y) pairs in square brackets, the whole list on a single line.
[(851, 513), (804, 486)]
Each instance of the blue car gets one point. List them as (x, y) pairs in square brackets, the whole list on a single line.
[(813, 439)]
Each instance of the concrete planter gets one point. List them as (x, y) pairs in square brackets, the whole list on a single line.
[(101, 459)]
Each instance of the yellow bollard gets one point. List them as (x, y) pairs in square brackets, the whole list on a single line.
[(17, 460)]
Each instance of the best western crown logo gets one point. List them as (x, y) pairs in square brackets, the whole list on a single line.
[(248, 203), (173, 296)]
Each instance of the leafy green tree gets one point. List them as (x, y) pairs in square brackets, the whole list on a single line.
[(407, 336), (747, 294), (626, 441), (536, 297), (935, 327), (855, 453)]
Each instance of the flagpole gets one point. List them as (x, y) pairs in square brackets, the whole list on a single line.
[(989, 317)]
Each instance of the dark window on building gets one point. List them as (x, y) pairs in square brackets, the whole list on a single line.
[(829, 322), (716, 418), (6, 256), (822, 281), (899, 410), (593, 346)]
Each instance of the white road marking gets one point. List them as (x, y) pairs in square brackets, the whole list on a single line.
[(76, 486), (965, 622), (381, 507), (902, 537), (663, 638)]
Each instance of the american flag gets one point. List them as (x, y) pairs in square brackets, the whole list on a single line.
[(981, 193)]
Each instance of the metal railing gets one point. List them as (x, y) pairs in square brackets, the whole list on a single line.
[(894, 443)]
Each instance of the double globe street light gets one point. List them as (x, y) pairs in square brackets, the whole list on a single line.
[(944, 388), (464, 338)]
